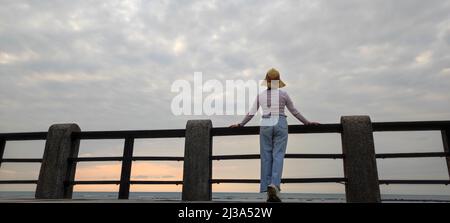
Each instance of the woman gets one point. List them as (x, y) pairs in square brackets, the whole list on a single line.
[(273, 132)]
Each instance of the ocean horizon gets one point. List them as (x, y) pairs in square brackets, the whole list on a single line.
[(229, 197)]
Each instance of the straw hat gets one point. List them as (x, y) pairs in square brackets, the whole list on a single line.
[(271, 75)]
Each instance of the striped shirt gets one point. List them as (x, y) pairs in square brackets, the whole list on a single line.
[(268, 102)]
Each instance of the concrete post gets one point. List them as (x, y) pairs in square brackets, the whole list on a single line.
[(55, 168), (197, 171), (360, 166)]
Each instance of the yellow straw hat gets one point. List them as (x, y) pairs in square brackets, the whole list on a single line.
[(271, 75)]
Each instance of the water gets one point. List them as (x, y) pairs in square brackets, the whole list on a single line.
[(231, 197)]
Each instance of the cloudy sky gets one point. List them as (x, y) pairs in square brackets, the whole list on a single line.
[(109, 65)]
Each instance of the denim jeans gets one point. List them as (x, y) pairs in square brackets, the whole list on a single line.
[(273, 136)]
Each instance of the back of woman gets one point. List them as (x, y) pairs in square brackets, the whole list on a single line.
[(273, 133)]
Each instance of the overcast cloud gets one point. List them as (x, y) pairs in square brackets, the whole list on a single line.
[(109, 65)]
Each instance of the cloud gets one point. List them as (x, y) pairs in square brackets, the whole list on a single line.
[(424, 57), (64, 77), (10, 58)]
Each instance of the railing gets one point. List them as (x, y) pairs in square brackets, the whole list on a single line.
[(56, 178), (293, 129)]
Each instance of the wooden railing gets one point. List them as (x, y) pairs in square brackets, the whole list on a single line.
[(56, 178)]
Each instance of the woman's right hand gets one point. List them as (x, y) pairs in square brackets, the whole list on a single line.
[(312, 123), (235, 126)]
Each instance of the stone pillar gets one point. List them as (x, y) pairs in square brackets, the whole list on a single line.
[(56, 168), (197, 171), (360, 166)]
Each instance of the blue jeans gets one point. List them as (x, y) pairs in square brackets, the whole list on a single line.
[(273, 136)]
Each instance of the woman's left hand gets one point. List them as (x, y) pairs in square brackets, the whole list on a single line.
[(312, 123)]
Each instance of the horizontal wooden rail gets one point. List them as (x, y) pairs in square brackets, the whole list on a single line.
[(284, 180), (254, 130), (331, 180), (21, 160), (387, 182), (217, 181), (289, 156), (18, 181), (411, 155), (224, 131), (117, 182), (158, 158), (410, 126), (23, 136), (134, 158), (230, 157), (176, 182)]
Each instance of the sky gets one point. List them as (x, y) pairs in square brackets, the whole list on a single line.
[(109, 65)]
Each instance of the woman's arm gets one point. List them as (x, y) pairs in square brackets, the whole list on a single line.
[(249, 115)]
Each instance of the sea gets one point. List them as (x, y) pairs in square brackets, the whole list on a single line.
[(228, 197)]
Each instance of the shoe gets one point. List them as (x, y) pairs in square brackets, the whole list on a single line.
[(273, 194)]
